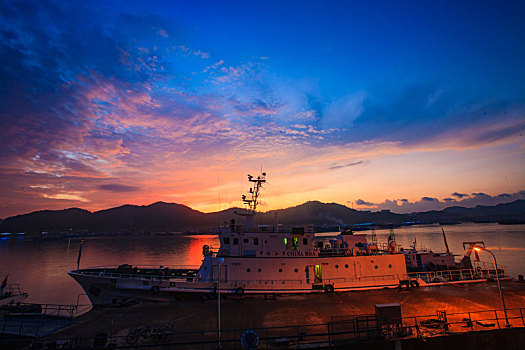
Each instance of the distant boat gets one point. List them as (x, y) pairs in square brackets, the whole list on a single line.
[(512, 222), (451, 222), (164, 233)]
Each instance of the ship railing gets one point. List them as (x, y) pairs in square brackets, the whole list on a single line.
[(489, 265), (50, 310), (359, 279), (12, 289), (455, 275), (112, 272), (145, 267), (181, 277), (235, 283)]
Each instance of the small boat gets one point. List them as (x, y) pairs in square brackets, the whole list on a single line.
[(427, 260), (10, 294)]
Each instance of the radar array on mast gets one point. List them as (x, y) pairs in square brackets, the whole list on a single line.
[(254, 191)]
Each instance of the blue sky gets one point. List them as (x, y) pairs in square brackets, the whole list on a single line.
[(386, 104)]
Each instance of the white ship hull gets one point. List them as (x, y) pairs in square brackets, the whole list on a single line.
[(339, 274)]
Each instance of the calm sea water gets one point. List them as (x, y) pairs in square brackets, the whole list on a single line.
[(40, 266)]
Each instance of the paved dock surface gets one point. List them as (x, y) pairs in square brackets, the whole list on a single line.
[(257, 312)]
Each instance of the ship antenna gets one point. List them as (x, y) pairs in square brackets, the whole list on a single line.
[(254, 191), (253, 200)]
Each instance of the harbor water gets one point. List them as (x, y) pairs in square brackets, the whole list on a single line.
[(40, 266)]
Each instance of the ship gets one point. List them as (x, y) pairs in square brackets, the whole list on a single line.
[(276, 260)]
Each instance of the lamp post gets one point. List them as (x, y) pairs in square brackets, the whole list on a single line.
[(219, 346), (479, 249)]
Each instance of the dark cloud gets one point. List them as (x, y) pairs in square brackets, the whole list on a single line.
[(361, 162), (430, 203), (362, 202), (51, 56), (460, 195), (118, 188), (480, 194)]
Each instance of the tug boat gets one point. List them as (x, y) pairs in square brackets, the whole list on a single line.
[(276, 259)]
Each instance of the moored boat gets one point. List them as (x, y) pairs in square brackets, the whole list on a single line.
[(10, 294), (264, 259)]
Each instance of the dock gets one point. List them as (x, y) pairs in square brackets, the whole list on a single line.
[(300, 321)]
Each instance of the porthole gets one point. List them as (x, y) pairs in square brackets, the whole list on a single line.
[(280, 270), (296, 270), (346, 266), (258, 270), (248, 270), (336, 266), (376, 267), (389, 266)]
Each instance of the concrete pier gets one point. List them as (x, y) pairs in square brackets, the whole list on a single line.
[(240, 313)]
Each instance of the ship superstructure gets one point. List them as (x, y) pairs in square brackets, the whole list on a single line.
[(271, 259)]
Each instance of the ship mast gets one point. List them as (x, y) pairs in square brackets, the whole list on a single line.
[(253, 200)]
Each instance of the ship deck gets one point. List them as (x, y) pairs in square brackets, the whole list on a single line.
[(144, 272)]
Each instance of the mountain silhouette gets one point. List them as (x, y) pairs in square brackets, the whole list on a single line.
[(164, 217)]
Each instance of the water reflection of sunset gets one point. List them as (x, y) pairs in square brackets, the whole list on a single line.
[(194, 252)]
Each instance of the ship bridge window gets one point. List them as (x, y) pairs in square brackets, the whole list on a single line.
[(256, 241), (236, 241), (285, 241), (305, 241), (295, 243), (246, 240), (226, 240)]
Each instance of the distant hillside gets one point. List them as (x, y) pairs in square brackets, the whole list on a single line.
[(164, 217), (319, 213), (514, 211)]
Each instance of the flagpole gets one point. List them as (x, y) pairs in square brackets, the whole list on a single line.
[(79, 254)]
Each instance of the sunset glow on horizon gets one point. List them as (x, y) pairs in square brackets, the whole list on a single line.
[(409, 107)]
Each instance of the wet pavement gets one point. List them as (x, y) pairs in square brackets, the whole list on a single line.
[(257, 312)]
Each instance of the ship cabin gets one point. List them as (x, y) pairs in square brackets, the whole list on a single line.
[(258, 258), (428, 260), (267, 241), (287, 241)]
